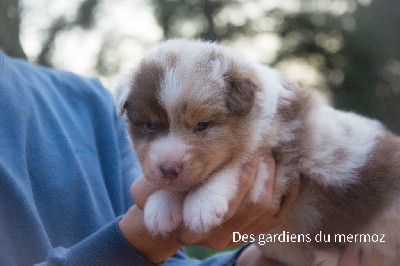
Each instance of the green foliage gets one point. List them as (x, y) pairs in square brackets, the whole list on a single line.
[(200, 252), (357, 53), (201, 17)]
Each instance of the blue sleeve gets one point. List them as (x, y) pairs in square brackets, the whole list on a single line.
[(107, 246), (66, 166), (227, 258)]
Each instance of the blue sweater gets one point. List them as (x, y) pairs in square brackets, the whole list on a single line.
[(66, 166)]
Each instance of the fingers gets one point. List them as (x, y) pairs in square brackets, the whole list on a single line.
[(269, 184), (243, 209), (254, 218), (262, 215), (252, 255), (356, 254), (271, 215), (220, 236), (245, 215), (141, 189), (154, 248), (372, 257), (246, 180), (289, 199), (351, 256)]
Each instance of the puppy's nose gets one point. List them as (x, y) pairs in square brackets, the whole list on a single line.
[(170, 170)]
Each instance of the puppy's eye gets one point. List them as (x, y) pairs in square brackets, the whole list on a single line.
[(202, 126), (150, 127)]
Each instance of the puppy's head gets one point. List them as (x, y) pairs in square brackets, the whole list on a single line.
[(188, 109)]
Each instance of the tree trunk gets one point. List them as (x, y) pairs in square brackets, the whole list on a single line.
[(9, 28)]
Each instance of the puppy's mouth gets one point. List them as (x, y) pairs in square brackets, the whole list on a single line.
[(182, 182), (177, 185)]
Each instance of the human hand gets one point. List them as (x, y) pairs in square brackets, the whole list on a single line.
[(244, 216), (355, 255), (154, 248), (253, 256)]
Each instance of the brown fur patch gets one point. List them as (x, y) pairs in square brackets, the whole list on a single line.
[(298, 107), (295, 109), (348, 211), (142, 104), (242, 86), (352, 209)]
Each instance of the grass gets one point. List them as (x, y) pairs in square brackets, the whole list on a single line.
[(200, 252)]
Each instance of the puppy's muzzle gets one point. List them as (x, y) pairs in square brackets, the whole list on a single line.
[(171, 170)]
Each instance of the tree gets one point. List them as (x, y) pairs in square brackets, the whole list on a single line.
[(199, 19), (10, 12), (84, 18), (356, 52), (9, 28)]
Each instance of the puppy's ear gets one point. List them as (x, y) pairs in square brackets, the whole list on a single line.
[(121, 93), (241, 93)]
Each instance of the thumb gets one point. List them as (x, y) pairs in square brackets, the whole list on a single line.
[(141, 189)]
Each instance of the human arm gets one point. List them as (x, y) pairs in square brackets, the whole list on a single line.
[(65, 170)]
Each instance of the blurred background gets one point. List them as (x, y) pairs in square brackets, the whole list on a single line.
[(347, 50)]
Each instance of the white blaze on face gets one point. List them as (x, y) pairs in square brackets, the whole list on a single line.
[(170, 90)]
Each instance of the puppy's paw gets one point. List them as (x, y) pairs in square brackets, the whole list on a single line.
[(202, 212), (163, 212)]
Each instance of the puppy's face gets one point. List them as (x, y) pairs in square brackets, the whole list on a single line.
[(188, 112)]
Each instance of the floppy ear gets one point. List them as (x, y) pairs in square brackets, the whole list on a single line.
[(240, 93), (121, 93)]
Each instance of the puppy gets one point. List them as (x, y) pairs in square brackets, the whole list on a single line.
[(196, 112)]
